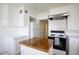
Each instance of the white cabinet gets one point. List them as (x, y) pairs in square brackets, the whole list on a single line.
[(73, 19), (23, 17), (11, 45), (31, 51), (3, 14), (73, 45), (18, 16)]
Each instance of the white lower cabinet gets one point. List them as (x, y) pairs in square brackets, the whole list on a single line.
[(31, 51), (12, 46), (73, 45)]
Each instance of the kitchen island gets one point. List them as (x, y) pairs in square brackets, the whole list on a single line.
[(37, 46)]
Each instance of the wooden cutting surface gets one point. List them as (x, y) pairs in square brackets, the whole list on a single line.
[(42, 44)]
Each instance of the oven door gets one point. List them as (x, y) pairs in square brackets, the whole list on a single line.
[(62, 44)]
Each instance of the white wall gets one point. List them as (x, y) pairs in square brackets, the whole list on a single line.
[(42, 16)]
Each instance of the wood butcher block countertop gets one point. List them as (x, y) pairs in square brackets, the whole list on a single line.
[(42, 44)]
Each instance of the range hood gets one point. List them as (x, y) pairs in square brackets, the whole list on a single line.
[(58, 16)]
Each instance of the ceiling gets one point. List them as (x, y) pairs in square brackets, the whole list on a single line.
[(43, 7), (53, 5)]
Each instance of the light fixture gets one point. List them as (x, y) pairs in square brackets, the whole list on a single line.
[(26, 11), (20, 11)]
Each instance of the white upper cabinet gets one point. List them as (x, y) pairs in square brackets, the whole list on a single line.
[(18, 16), (73, 19), (23, 17), (26, 17), (3, 14)]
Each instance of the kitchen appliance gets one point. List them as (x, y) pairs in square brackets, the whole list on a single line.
[(60, 41)]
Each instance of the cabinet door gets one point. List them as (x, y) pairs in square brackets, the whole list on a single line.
[(30, 51), (73, 46), (26, 19), (20, 17), (3, 14), (17, 16), (73, 19), (23, 17)]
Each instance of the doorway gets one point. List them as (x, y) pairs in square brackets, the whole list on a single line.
[(34, 28), (38, 29), (43, 24)]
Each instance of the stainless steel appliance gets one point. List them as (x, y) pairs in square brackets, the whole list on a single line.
[(60, 41)]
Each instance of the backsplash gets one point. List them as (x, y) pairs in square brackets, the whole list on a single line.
[(14, 31), (73, 33)]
